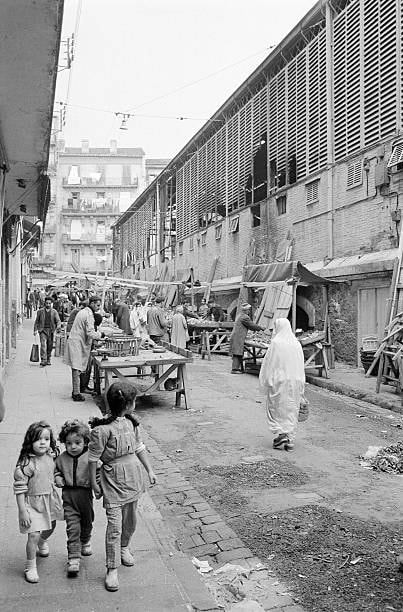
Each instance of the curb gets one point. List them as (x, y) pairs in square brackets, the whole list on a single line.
[(365, 396)]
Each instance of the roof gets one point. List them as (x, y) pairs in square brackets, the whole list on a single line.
[(377, 261), (157, 162), (30, 34), (125, 152)]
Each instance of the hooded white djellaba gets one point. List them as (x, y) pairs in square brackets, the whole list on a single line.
[(282, 378)]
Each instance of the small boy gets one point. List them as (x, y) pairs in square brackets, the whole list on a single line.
[(72, 475)]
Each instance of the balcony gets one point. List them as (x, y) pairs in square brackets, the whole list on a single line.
[(86, 238), (47, 260), (103, 182), (91, 206)]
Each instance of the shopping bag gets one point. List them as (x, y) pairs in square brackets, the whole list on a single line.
[(303, 413), (34, 356)]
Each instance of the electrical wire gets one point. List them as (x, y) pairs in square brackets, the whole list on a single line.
[(208, 76), (76, 29), (170, 93)]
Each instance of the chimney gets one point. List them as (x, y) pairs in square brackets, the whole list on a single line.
[(113, 148), (85, 146)]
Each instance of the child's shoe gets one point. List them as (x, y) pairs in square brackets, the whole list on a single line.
[(73, 567), (280, 442), (31, 573), (86, 549), (43, 548), (111, 580), (126, 556)]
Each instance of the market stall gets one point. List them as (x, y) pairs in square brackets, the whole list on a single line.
[(166, 362), (278, 285), (214, 336)]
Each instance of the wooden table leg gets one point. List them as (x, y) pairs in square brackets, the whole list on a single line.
[(183, 383), (97, 379), (325, 363), (380, 372), (208, 346), (107, 380)]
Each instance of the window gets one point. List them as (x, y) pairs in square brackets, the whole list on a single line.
[(203, 238), (218, 231), (191, 244), (312, 192), (180, 248), (397, 155), (354, 174), (100, 194), (255, 210), (75, 195), (281, 202), (234, 225)]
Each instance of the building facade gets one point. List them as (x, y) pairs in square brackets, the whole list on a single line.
[(305, 152), (30, 35), (92, 187)]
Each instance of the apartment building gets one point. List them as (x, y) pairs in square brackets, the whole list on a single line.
[(306, 152)]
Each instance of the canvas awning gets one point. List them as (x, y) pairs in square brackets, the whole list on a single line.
[(263, 274)]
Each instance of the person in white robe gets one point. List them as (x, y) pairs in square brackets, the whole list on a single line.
[(282, 378)]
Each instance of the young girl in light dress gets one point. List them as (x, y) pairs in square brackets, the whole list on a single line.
[(116, 441), (39, 506)]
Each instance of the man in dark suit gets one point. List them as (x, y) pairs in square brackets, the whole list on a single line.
[(46, 322)]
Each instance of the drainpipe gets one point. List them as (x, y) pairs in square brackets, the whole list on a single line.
[(330, 129)]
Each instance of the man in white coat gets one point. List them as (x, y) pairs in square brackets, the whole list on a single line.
[(78, 346)]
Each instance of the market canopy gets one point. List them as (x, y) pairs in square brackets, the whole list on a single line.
[(262, 274)]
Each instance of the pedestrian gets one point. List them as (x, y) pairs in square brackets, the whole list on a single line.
[(29, 303), (39, 505), (282, 377), (86, 375), (215, 312), (123, 317), (116, 441), (73, 315), (46, 323), (179, 331), (72, 475), (156, 321), (78, 345), (242, 324)]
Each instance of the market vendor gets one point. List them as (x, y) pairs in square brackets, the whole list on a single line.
[(243, 323), (78, 346)]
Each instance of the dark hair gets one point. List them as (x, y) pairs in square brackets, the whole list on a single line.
[(119, 395), (49, 299), (94, 298), (98, 318), (77, 427), (82, 304), (32, 435)]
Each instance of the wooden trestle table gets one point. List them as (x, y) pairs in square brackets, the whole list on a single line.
[(118, 367)]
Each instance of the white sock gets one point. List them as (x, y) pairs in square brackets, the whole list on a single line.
[(30, 564)]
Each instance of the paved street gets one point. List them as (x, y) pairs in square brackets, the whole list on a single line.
[(218, 481), (163, 577)]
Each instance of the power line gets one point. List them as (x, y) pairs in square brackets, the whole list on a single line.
[(208, 76), (130, 114)]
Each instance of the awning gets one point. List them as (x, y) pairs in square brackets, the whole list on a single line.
[(351, 265), (220, 285), (282, 271)]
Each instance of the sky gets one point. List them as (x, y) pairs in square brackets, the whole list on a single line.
[(158, 60)]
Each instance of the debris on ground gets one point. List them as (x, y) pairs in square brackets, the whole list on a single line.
[(384, 459), (240, 589), (203, 567)]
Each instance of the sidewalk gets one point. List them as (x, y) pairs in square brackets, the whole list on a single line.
[(352, 382), (163, 578)]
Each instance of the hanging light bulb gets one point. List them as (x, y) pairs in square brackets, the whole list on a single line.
[(125, 117)]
